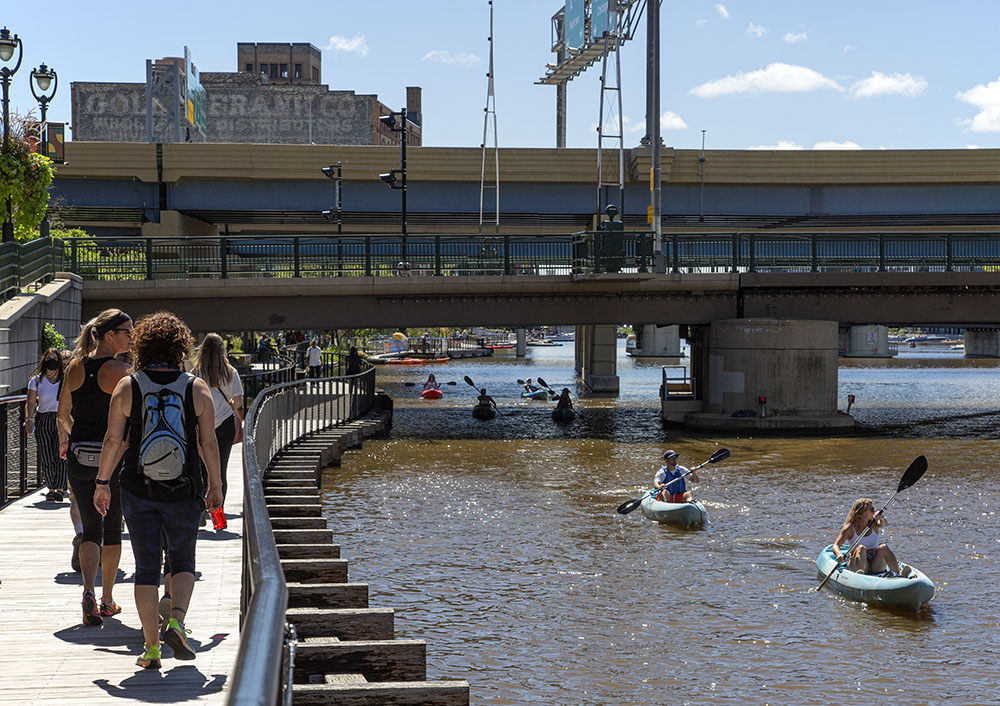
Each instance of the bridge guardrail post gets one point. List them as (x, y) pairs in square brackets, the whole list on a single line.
[(149, 258), (736, 252), (368, 257), (674, 242), (296, 261), (72, 255), (506, 254), (814, 253), (437, 254), (881, 252), (948, 261), (752, 253)]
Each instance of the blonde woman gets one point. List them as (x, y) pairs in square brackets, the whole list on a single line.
[(212, 366), (84, 400), (870, 556)]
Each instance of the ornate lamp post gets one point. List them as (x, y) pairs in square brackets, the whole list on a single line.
[(390, 177), (8, 45), (45, 78)]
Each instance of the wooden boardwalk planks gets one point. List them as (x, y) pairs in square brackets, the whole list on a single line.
[(47, 656)]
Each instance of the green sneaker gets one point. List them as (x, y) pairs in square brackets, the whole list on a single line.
[(175, 635), (150, 659)]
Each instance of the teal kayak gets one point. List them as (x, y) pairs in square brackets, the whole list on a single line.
[(907, 592), (536, 395), (683, 514)]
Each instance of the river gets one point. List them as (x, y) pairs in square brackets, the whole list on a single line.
[(498, 542)]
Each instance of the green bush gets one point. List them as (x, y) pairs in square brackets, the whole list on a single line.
[(52, 338)]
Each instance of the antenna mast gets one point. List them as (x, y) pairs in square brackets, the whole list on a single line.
[(490, 120), (606, 21)]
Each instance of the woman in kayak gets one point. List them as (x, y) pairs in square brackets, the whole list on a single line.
[(672, 475), (486, 400), (870, 556), (564, 402), (431, 383)]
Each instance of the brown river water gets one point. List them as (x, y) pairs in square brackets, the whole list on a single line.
[(498, 543)]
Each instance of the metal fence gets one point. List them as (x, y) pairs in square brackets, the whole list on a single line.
[(279, 416), (27, 266), (20, 473)]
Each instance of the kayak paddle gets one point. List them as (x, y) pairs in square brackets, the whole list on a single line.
[(546, 386), (910, 476), (630, 505)]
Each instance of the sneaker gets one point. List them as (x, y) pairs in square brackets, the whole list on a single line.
[(150, 659), (109, 609), (175, 635), (91, 615), (50, 495), (74, 561)]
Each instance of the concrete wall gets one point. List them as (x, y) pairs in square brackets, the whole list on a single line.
[(21, 321), (982, 343)]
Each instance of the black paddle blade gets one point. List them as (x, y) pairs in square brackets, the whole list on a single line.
[(468, 381), (409, 384), (720, 455), (451, 382), (913, 473), (520, 381), (629, 505)]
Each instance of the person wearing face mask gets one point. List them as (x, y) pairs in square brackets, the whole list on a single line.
[(40, 419)]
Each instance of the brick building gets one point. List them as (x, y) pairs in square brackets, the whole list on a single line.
[(250, 105)]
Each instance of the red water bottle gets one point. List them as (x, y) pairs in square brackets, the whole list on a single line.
[(219, 519)]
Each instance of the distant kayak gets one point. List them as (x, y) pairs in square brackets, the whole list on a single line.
[(536, 395), (906, 592), (563, 414), (432, 394), (484, 412)]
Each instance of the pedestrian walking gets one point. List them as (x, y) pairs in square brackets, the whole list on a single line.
[(40, 411)]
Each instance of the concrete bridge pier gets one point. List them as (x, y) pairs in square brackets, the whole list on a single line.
[(982, 343), (765, 374), (521, 342), (578, 336), (869, 341), (655, 341), (599, 357)]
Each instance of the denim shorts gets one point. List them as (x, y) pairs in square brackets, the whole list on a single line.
[(179, 524)]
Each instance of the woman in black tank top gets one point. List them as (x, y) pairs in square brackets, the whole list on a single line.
[(83, 421)]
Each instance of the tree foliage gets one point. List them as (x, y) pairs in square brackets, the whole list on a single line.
[(25, 177)]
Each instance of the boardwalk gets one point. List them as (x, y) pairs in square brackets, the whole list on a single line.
[(47, 656)]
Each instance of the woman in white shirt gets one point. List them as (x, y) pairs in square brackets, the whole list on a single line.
[(871, 555), (211, 365), (40, 418)]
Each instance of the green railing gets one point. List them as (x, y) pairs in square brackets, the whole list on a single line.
[(227, 257), (27, 266)]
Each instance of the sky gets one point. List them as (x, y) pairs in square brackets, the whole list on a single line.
[(751, 74)]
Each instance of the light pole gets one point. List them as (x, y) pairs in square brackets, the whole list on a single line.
[(8, 45), (390, 177), (334, 172), (44, 77)]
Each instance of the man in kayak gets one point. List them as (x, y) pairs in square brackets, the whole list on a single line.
[(564, 402), (870, 556), (672, 475), (529, 387)]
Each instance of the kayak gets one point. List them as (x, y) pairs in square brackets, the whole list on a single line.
[(536, 395), (906, 592), (563, 414), (432, 394), (683, 514), (484, 411)]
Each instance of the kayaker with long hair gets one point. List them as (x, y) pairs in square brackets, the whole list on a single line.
[(670, 481), (432, 383), (871, 555)]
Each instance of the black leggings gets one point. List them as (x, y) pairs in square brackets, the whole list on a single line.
[(103, 531)]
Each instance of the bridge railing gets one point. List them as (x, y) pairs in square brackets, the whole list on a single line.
[(27, 265), (278, 416), (17, 451), (223, 257)]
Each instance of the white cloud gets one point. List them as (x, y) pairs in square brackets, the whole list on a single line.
[(849, 48), (972, 147), (987, 99), (723, 12), (831, 145), (755, 30), (794, 38), (775, 78), (443, 56), (879, 84), (672, 121), (782, 145), (701, 23), (357, 45)]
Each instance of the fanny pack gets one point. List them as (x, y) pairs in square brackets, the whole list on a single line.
[(88, 453)]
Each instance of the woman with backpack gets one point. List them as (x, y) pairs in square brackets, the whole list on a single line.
[(171, 419), (83, 421), (40, 417)]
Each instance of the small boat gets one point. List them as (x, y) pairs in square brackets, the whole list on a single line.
[(484, 412), (563, 414), (536, 395), (432, 394), (683, 514), (415, 361), (542, 342), (907, 592), (499, 346)]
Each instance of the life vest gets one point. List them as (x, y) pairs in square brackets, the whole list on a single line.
[(677, 487)]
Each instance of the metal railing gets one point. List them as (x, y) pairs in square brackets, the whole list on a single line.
[(17, 452), (227, 257), (278, 416), (29, 265), (270, 372)]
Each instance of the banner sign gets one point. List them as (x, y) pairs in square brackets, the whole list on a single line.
[(574, 23), (197, 99), (600, 18)]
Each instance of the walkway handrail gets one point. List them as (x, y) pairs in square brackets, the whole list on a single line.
[(32, 263), (15, 482), (278, 416)]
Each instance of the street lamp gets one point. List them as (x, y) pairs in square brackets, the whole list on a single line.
[(333, 172), (8, 45), (390, 177), (44, 77)]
